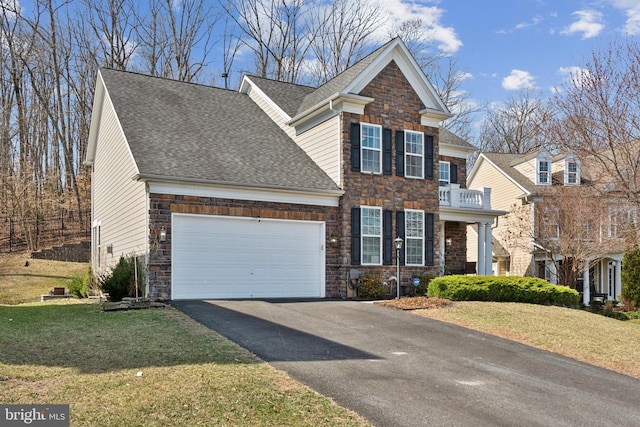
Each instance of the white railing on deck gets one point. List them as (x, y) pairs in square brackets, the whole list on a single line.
[(456, 197)]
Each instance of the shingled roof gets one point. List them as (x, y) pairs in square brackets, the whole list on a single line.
[(505, 162), (341, 81), (288, 96), (188, 132)]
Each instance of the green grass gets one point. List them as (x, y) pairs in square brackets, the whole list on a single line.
[(579, 334), (20, 284), (72, 352)]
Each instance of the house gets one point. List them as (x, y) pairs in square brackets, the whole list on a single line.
[(280, 190), (558, 227)]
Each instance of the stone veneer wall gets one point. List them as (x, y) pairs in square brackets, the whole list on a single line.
[(396, 107), (456, 254), (163, 205)]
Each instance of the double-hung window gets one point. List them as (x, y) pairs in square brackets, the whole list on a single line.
[(414, 234), (371, 220), (543, 172), (445, 175), (572, 171), (543, 169), (371, 146), (414, 154)]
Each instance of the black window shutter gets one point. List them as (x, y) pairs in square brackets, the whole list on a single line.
[(355, 147), (386, 151), (387, 238), (429, 239), (400, 232), (428, 157), (453, 172), (355, 236), (399, 153)]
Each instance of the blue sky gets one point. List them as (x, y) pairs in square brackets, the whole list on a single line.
[(508, 45)]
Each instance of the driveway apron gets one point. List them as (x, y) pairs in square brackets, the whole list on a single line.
[(398, 369)]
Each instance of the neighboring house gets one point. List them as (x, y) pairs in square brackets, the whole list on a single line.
[(280, 190), (556, 223)]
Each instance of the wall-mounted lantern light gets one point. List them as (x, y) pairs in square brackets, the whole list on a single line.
[(163, 234), (333, 240), (398, 242), (449, 241)]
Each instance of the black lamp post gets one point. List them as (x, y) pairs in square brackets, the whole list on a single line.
[(398, 242)]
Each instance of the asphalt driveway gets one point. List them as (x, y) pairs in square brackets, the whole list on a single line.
[(398, 369)]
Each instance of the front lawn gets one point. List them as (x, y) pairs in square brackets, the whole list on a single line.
[(153, 367), (578, 334)]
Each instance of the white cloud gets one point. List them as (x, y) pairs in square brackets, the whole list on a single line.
[(445, 37), (573, 75), (589, 24), (535, 21), (631, 8), (517, 80)]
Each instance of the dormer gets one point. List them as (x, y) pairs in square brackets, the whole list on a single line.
[(543, 168), (571, 170)]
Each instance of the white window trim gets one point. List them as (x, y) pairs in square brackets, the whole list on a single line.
[(568, 161), (440, 163), (362, 148), (407, 155), (539, 160), (407, 237), (363, 235)]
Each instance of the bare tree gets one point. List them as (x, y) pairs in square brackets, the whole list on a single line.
[(278, 33), (175, 39), (112, 24), (599, 118), (443, 72), (516, 126), (344, 29)]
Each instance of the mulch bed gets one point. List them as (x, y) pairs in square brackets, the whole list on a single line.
[(131, 305), (416, 303)]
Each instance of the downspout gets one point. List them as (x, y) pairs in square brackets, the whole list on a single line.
[(147, 255)]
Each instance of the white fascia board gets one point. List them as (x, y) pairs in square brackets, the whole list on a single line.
[(468, 215), (335, 104), (299, 197), (248, 83), (433, 118), (96, 117), (398, 52), (455, 150)]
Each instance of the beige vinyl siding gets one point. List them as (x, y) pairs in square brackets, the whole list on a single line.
[(119, 202), (504, 192), (504, 196), (322, 144), (273, 114), (528, 169)]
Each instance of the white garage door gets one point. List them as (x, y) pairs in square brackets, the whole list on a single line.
[(237, 257)]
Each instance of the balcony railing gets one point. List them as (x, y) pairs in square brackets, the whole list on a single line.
[(455, 197)]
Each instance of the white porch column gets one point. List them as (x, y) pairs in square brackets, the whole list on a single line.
[(586, 286), (618, 276), (488, 250), (481, 247), (442, 248)]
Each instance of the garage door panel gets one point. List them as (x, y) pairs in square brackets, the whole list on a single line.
[(232, 257)]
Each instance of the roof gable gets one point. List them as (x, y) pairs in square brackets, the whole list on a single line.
[(193, 133), (345, 88)]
